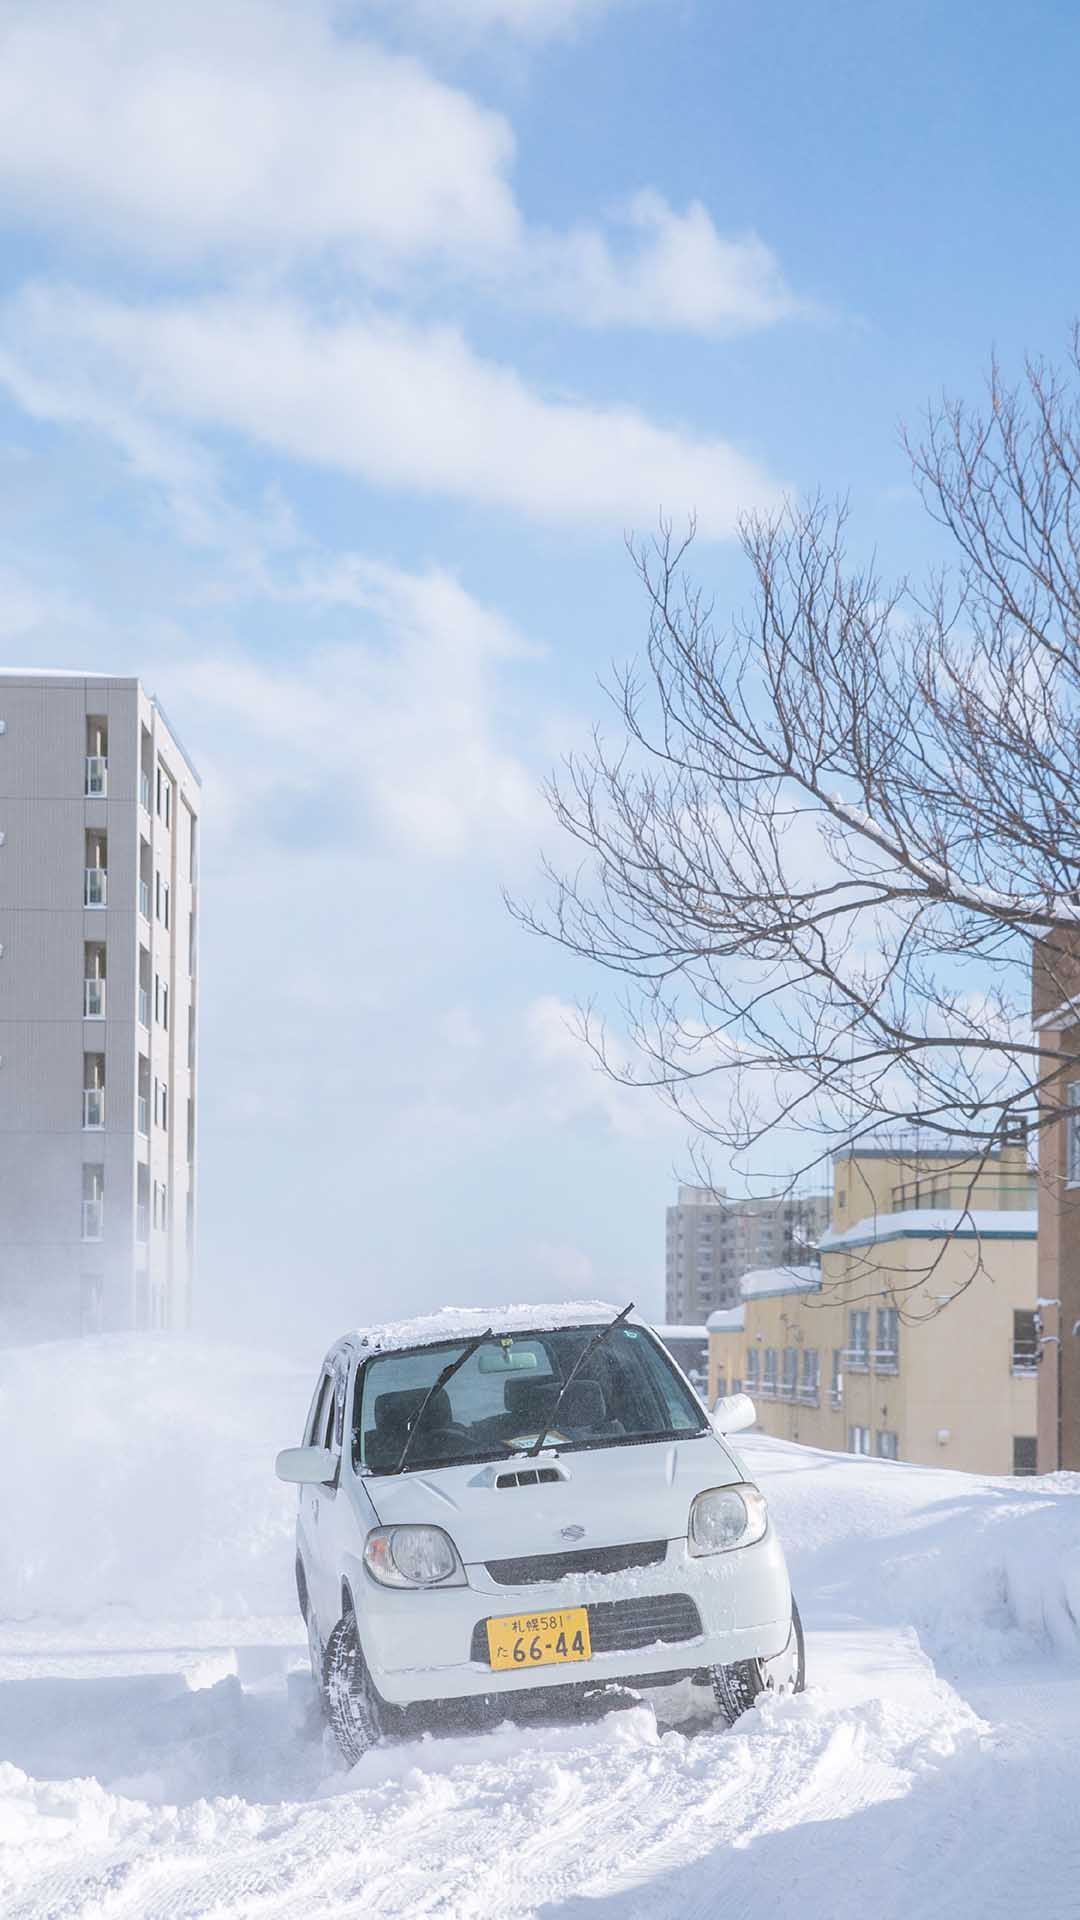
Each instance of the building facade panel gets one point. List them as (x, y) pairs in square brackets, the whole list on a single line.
[(95, 1084)]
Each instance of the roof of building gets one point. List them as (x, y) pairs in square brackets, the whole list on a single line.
[(937, 1223), (763, 1281), (670, 1332), (727, 1320)]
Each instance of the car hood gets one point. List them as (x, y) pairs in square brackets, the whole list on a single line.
[(605, 1496)]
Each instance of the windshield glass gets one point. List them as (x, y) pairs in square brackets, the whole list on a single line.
[(496, 1405)]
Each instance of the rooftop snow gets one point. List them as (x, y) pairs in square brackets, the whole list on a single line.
[(765, 1280), (937, 1223), (464, 1323), (727, 1320)]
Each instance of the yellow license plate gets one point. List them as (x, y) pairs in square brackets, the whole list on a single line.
[(539, 1639)]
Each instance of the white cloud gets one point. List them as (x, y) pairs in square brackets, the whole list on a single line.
[(398, 405), (573, 1085), (534, 19), (251, 128), (407, 722), (681, 275), (262, 133)]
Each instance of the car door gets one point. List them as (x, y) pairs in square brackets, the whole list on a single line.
[(310, 1522)]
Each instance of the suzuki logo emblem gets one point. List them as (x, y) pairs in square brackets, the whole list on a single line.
[(573, 1533)]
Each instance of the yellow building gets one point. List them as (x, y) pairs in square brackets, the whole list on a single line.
[(916, 1338)]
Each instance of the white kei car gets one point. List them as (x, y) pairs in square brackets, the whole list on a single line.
[(503, 1513)]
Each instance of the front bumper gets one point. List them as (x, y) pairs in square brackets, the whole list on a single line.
[(677, 1616)]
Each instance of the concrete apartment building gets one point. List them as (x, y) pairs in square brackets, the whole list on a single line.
[(1056, 1011), (99, 809), (713, 1241), (887, 1348)]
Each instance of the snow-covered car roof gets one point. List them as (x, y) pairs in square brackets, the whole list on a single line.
[(464, 1323)]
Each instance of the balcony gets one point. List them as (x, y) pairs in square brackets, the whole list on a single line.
[(96, 889), (97, 776), (144, 899), (886, 1360), (142, 1114), (94, 999), (93, 1219), (93, 1109), (1025, 1358)]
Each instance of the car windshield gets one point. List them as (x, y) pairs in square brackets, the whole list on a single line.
[(496, 1405)]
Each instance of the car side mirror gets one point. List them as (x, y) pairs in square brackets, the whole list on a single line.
[(306, 1466), (734, 1413)]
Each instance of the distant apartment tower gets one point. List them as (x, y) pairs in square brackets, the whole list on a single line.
[(713, 1241), (99, 810)]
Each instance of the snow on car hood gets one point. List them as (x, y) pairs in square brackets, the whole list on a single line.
[(613, 1495)]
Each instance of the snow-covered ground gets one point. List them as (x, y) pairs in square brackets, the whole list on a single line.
[(159, 1755)]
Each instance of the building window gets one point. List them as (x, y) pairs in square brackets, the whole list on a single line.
[(93, 1117), (808, 1384), (887, 1446), (858, 1353), (161, 1104), (752, 1358), (768, 1382), (836, 1384), (96, 879), (97, 759), (93, 981), (93, 1203), (1025, 1342), (858, 1439), (887, 1340), (791, 1372), (161, 1204), (1072, 1094), (91, 1301), (161, 1002), (162, 899), (1025, 1449)]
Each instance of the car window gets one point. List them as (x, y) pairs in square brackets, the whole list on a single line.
[(500, 1400), (322, 1411)]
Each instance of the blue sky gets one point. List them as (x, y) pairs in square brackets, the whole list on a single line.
[(339, 345)]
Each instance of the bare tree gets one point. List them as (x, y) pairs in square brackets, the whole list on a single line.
[(836, 832)]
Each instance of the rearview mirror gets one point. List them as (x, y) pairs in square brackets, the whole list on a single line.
[(306, 1466), (734, 1413), (506, 1360)]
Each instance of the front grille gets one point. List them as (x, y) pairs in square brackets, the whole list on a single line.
[(623, 1626), (538, 1568)]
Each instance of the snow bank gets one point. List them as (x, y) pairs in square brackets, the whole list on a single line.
[(138, 1472), (979, 1567)]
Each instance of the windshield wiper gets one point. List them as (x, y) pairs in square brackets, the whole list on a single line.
[(440, 1380), (602, 1334)]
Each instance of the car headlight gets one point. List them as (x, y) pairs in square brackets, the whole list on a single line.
[(413, 1557), (727, 1517)]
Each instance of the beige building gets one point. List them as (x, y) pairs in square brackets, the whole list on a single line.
[(712, 1241), (917, 1338), (99, 810)]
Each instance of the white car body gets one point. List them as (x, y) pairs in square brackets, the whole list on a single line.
[(428, 1645)]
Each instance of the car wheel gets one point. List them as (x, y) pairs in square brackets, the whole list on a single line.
[(737, 1687), (352, 1706)]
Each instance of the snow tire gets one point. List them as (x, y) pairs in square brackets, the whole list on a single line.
[(739, 1686), (352, 1706)]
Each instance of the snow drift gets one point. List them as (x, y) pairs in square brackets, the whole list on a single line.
[(138, 1474)]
